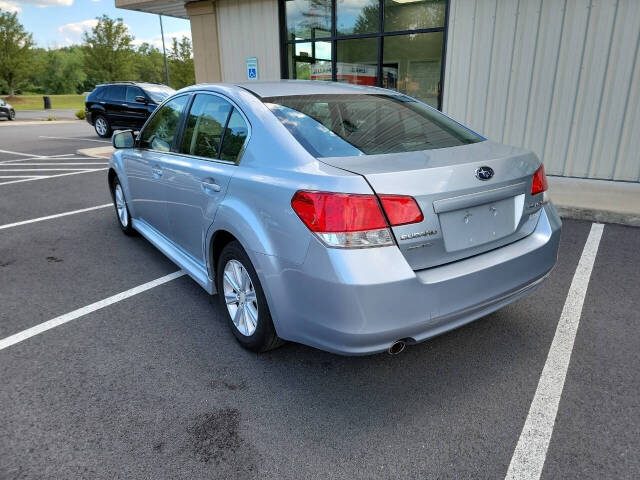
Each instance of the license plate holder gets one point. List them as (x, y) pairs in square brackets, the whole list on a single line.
[(473, 226)]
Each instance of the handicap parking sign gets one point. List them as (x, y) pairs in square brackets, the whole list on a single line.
[(252, 68)]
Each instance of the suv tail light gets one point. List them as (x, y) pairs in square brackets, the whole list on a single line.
[(349, 220), (539, 184)]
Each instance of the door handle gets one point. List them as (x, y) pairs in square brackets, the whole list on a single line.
[(210, 185), (157, 171)]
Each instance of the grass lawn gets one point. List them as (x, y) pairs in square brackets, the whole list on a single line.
[(35, 102)]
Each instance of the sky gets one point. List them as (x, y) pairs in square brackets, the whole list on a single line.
[(59, 23)]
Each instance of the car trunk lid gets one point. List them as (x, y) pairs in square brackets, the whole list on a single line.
[(463, 215)]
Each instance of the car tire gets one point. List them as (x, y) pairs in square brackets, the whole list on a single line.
[(12, 115), (253, 326), (122, 210), (102, 126)]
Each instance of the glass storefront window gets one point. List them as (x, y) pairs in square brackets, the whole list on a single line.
[(412, 65), (307, 19), (310, 60), (357, 61), (413, 14), (354, 17), (395, 44)]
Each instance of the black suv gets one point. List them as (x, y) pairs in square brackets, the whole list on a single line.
[(123, 105)]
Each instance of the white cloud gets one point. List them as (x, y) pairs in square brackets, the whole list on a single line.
[(15, 5), (78, 28), (9, 6), (157, 40)]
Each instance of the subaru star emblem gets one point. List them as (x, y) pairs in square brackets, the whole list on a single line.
[(484, 173)]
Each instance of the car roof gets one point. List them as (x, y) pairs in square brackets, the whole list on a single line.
[(278, 88), (140, 84)]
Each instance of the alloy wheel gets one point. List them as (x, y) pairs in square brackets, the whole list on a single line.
[(240, 297), (121, 206), (101, 126)]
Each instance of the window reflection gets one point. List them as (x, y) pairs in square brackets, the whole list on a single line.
[(357, 61), (204, 127), (161, 129), (357, 16), (234, 137), (310, 60), (308, 19), (412, 64), (413, 14)]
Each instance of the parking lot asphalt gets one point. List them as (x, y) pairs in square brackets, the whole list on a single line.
[(155, 386), (58, 113)]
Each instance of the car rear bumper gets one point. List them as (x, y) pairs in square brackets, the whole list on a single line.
[(360, 301), (88, 118)]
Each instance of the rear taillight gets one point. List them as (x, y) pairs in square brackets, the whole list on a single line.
[(353, 220), (401, 210), (539, 184)]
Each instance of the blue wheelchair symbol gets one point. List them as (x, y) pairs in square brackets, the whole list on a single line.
[(252, 72)]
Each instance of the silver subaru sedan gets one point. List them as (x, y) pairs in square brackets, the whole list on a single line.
[(353, 219)]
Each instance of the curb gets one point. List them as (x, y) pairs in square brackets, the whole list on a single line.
[(600, 216), (97, 152), (17, 123)]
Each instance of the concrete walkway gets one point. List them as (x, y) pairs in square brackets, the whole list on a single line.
[(596, 200)]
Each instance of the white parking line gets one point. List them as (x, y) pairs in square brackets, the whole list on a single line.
[(67, 317), (58, 164), (22, 176), (52, 176), (531, 451), (57, 215), (18, 153), (39, 169)]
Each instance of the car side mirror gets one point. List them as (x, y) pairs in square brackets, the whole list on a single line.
[(124, 139), (141, 99)]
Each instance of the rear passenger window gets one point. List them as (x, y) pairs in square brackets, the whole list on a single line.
[(115, 93), (205, 124), (234, 137), (161, 129)]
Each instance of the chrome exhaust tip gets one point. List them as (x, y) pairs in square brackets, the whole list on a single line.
[(396, 347)]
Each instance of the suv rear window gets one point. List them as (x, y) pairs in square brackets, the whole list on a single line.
[(339, 125)]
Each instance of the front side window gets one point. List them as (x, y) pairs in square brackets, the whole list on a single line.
[(132, 93), (205, 124), (162, 128), (371, 124)]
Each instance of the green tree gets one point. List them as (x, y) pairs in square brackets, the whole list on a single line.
[(15, 51), (63, 71), (149, 64), (181, 71), (108, 54)]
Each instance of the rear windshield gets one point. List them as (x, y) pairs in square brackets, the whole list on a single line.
[(341, 125)]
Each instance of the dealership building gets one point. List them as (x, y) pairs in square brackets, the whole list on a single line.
[(560, 77)]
